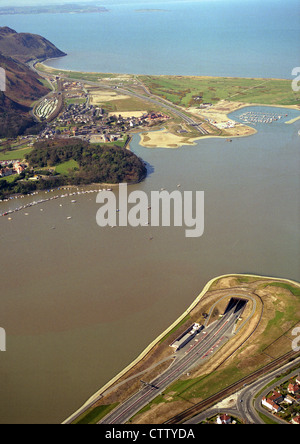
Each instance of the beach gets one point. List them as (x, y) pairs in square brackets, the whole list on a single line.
[(217, 113)]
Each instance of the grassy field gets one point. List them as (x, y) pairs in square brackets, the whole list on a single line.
[(15, 154), (65, 167), (9, 179), (192, 91)]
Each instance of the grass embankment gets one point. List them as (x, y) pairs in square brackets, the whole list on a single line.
[(93, 415)]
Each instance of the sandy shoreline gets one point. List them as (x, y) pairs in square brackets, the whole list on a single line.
[(218, 114)]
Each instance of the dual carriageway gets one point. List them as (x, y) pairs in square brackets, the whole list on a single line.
[(193, 354)]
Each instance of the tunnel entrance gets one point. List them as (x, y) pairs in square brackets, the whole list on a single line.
[(236, 304)]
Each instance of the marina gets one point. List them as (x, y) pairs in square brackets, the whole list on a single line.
[(254, 117), (41, 201)]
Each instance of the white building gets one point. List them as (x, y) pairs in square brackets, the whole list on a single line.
[(186, 336)]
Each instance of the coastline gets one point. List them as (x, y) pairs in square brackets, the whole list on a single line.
[(172, 141), (151, 139), (167, 139), (94, 398)]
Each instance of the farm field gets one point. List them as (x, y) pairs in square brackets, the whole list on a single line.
[(190, 91)]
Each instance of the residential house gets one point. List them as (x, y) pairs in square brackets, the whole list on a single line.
[(223, 419), (273, 401), (293, 388), (289, 399), (18, 168)]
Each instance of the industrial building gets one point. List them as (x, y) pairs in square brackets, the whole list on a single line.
[(189, 334)]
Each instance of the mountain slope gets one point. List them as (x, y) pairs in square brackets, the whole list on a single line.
[(22, 84), (14, 118), (26, 47)]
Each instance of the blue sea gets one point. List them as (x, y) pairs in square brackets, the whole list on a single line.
[(245, 38)]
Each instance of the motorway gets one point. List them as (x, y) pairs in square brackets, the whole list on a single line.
[(193, 354)]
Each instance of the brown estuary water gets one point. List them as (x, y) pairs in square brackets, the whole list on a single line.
[(80, 302)]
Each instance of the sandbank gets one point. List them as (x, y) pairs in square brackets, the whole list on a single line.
[(293, 120), (164, 139)]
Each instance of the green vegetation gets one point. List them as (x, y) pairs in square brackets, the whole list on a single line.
[(182, 322), (64, 168), (94, 415), (89, 163), (266, 419), (18, 154), (9, 179), (193, 91), (15, 119), (74, 162), (295, 291)]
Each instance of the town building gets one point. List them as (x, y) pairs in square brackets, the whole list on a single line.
[(224, 419), (273, 401), (293, 388)]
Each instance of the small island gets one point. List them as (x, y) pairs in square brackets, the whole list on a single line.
[(151, 10)]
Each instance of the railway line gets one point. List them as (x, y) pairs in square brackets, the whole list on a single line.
[(206, 403)]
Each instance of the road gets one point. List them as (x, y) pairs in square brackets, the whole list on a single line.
[(193, 354), (149, 98), (247, 404)]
